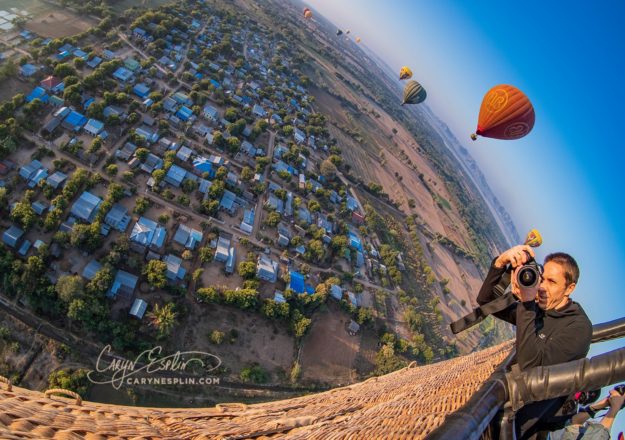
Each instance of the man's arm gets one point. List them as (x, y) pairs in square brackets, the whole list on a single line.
[(567, 344), (487, 292)]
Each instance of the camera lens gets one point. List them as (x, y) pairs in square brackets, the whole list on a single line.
[(528, 277)]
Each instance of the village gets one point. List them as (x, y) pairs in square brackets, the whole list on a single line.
[(182, 157)]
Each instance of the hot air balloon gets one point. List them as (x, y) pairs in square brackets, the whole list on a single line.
[(533, 238), (357, 39), (307, 13), (339, 32), (506, 113), (347, 31), (405, 73), (414, 93)]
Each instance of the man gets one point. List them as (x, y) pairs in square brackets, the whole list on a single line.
[(550, 327), (578, 430)]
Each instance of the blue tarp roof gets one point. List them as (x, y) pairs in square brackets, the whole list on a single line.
[(184, 113), (75, 119), (91, 269), (141, 90), (297, 282), (86, 207), (38, 93), (94, 126), (28, 70), (122, 74)]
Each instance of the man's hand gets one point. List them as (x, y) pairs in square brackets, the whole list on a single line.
[(516, 256), (522, 293), (616, 400)]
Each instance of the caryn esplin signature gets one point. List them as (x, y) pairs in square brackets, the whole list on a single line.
[(152, 363)]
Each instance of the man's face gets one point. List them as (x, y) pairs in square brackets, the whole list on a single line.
[(553, 290)]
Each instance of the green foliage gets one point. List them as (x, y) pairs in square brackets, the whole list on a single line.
[(69, 379), (163, 318), (155, 273), (254, 373), (141, 205), (242, 298), (208, 295), (217, 337), (247, 269)]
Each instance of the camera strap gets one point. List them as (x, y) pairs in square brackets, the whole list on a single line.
[(480, 313)]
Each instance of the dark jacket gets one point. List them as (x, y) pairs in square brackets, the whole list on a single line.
[(543, 337)]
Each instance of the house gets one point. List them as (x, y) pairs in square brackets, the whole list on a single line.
[(94, 127), (112, 111), (174, 271), (123, 74), (303, 215), (11, 236), (353, 299), (126, 152), (91, 269), (184, 153), (354, 241), (175, 175), (151, 163), (298, 285), (28, 70), (231, 261), (248, 148), (217, 161), (299, 135), (247, 224), (188, 237), (38, 93), (141, 90), (210, 113), (132, 64), (202, 165), (57, 180), (138, 308), (302, 181), (223, 250), (94, 62), (86, 207), (74, 121), (79, 53), (267, 269), (228, 202), (275, 203), (24, 248), (353, 327), (118, 218), (184, 113), (351, 203), (30, 171), (124, 284), (149, 135), (50, 126), (39, 207), (259, 111), (279, 297), (148, 233), (336, 292), (181, 98)]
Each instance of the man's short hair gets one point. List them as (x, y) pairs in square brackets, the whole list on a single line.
[(571, 269)]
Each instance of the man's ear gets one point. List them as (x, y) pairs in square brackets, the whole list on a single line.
[(569, 289)]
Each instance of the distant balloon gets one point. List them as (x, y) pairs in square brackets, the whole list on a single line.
[(405, 73), (357, 39), (533, 238), (307, 13), (506, 113), (414, 93), (339, 32), (347, 31)]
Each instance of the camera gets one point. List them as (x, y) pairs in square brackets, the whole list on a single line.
[(620, 389), (529, 274)]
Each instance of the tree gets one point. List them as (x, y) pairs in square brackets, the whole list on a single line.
[(272, 219), (231, 114), (328, 169), (101, 283), (187, 254), (254, 373), (64, 69), (208, 294), (163, 318), (247, 269), (247, 174), (155, 271), (142, 153), (206, 254), (69, 287), (217, 337), (141, 205), (68, 379), (23, 213)]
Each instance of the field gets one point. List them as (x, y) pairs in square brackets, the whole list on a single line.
[(11, 86), (58, 23), (329, 352), (122, 5)]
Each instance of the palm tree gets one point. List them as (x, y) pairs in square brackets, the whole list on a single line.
[(163, 318)]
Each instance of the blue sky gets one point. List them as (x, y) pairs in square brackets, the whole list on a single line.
[(566, 177)]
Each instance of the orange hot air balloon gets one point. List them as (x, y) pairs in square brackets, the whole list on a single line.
[(533, 238), (506, 113), (307, 13)]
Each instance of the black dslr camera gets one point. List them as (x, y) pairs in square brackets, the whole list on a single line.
[(530, 273)]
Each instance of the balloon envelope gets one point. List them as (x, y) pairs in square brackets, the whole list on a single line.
[(506, 113), (405, 73), (533, 238), (357, 39), (414, 93), (339, 32)]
